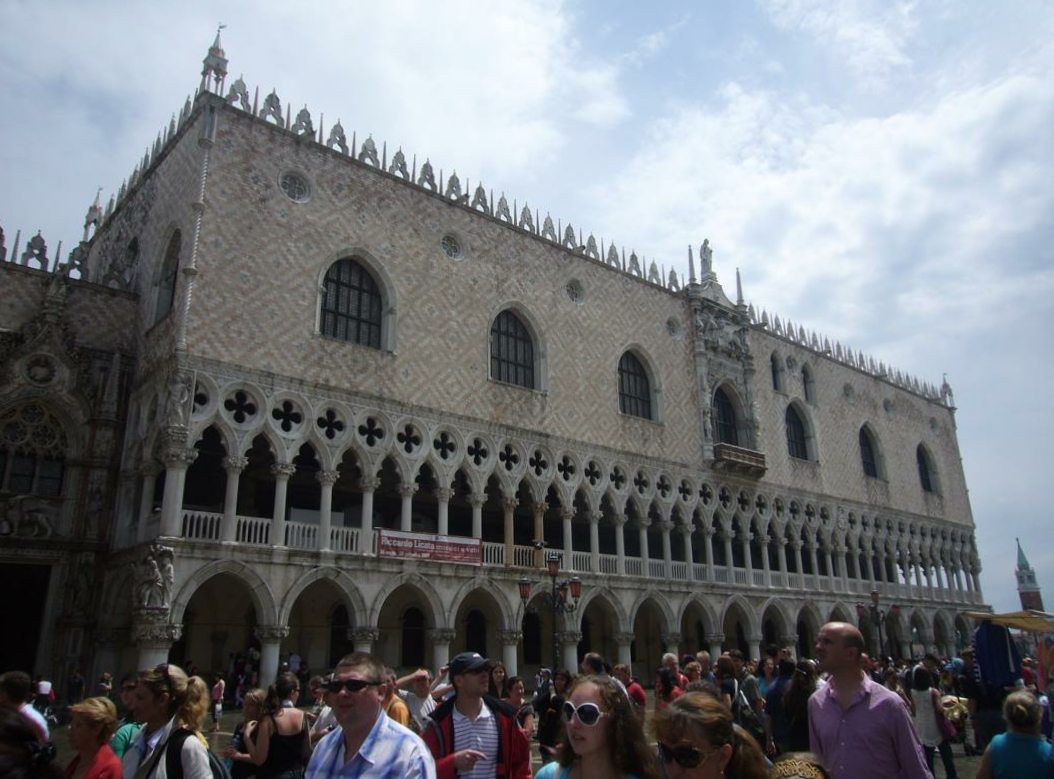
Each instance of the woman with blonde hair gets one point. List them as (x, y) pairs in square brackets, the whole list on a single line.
[(603, 736), (697, 739), (241, 762), (93, 723), (172, 708), (1021, 752)]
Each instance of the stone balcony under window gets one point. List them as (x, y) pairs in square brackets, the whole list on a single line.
[(738, 459)]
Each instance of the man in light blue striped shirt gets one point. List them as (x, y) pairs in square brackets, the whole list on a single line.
[(368, 744)]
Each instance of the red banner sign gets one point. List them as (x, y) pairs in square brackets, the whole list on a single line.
[(425, 546)]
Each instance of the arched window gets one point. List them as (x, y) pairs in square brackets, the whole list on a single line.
[(807, 388), (634, 387), (926, 472), (777, 372), (867, 454), (511, 351), (166, 284), (32, 452), (725, 430), (351, 304), (796, 443)]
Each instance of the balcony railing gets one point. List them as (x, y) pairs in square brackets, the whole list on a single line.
[(736, 458), (306, 536)]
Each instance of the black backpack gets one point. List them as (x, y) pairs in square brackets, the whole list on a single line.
[(174, 754), (745, 716)]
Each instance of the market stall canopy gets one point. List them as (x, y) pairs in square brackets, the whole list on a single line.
[(1032, 621)]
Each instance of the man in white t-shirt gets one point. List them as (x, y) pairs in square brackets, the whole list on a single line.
[(419, 698)]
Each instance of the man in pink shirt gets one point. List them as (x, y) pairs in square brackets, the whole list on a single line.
[(859, 728)]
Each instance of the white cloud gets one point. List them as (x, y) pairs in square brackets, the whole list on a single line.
[(871, 36)]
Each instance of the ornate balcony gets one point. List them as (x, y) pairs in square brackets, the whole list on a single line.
[(738, 459)]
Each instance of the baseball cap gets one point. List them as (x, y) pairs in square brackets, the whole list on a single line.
[(467, 662)]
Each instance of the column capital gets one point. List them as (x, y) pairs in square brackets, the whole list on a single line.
[(509, 504), (271, 632), (643, 523), (163, 635), (539, 507), (235, 464), (593, 517), (444, 494), (327, 478), (442, 635), (789, 639), (150, 468), (510, 637), (568, 512), (407, 490), (670, 638), (283, 470), (715, 638), (624, 638), (364, 635), (569, 637), (666, 526), (369, 483), (620, 520), (179, 458), (476, 500)]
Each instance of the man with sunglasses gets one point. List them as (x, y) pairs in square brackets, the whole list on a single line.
[(367, 744), (473, 735), (858, 728)]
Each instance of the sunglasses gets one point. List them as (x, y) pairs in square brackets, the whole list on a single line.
[(588, 714), (351, 685), (685, 757)]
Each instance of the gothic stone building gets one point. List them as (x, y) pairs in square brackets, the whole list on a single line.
[(296, 394)]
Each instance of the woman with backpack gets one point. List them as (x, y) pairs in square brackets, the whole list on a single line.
[(172, 708)]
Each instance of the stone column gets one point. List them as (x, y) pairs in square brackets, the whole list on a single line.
[(645, 555), (154, 635), (620, 543), (406, 491), (726, 536), (594, 542), (146, 500), (754, 646), (840, 567), (569, 640), (781, 554), (686, 532), (790, 640), (625, 647), (363, 639), (667, 550), (766, 564), (869, 570), (510, 640), (509, 506), (281, 472), (829, 562), (229, 527), (748, 557), (671, 642), (715, 640), (938, 563), (368, 485), (566, 515), (796, 545), (270, 637), (708, 545), (477, 502), (539, 508), (176, 461), (815, 560), (441, 638), (325, 512), (443, 495)]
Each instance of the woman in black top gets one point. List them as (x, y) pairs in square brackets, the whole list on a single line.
[(550, 718), (796, 706), (281, 746)]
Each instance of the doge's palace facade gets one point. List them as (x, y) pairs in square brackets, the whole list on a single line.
[(299, 392)]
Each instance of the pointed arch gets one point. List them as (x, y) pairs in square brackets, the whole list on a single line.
[(492, 591), (611, 601), (439, 616), (660, 602), (517, 352), (352, 596), (260, 592), (639, 384)]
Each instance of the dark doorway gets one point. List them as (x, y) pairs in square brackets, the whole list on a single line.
[(23, 592)]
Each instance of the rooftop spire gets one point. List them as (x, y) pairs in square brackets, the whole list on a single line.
[(215, 66), (1022, 561)]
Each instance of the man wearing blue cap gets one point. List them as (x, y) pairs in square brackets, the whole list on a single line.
[(473, 735)]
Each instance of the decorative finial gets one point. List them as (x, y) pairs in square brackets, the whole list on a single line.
[(691, 266), (739, 289)]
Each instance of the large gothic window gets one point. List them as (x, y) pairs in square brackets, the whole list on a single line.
[(166, 284), (867, 454), (634, 387), (351, 304), (926, 473), (796, 442), (511, 351), (32, 451), (725, 430)]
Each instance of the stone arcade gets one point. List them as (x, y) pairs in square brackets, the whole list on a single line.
[(299, 394)]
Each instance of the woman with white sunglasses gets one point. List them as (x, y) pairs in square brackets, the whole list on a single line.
[(603, 736)]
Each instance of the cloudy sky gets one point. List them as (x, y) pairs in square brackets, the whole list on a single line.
[(880, 171)]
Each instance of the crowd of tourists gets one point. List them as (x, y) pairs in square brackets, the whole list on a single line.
[(843, 715)]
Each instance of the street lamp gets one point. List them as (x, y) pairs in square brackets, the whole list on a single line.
[(877, 618), (556, 598)]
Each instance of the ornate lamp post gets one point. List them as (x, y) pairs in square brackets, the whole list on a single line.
[(556, 598), (877, 618)]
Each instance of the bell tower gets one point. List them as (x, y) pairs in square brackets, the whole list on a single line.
[(1031, 597)]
